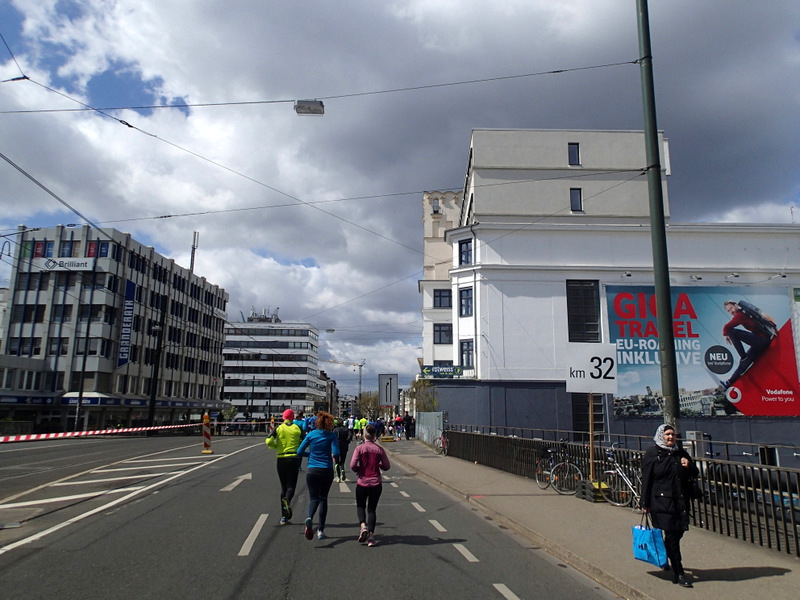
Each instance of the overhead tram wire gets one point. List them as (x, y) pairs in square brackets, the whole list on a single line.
[(329, 97), (293, 198)]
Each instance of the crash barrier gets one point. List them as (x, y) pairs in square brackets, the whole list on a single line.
[(32, 437), (759, 504)]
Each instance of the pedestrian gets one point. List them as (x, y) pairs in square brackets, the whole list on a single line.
[(285, 439), (407, 424), (320, 446), (668, 474), (343, 437), (369, 459)]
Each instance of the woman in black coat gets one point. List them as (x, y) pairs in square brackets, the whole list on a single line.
[(667, 476)]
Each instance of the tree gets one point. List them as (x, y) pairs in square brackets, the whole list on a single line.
[(425, 396), (370, 404)]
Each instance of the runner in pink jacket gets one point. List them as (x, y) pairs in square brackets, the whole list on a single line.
[(368, 460)]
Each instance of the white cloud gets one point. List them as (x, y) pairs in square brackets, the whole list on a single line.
[(727, 89)]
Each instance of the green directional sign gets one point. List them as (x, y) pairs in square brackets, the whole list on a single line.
[(442, 371)]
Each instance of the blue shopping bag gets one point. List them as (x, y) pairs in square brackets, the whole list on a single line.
[(648, 544)]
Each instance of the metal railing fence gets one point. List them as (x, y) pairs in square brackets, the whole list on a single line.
[(755, 503)]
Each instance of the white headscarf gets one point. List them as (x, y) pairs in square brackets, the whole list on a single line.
[(658, 438)]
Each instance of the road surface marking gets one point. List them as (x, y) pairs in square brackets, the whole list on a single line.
[(231, 486), (507, 593), (68, 498), (465, 553), (251, 539), (188, 464), (438, 526), (99, 509), (404, 494), (111, 479), (417, 506)]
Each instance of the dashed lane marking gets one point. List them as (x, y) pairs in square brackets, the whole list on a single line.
[(405, 494), (465, 553), (437, 526), (417, 506), (507, 593), (251, 539)]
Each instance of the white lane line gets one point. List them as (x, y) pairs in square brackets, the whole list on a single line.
[(417, 506), (404, 494), (251, 539), (188, 464), (111, 479), (162, 459), (343, 487), (231, 486), (393, 484), (68, 498), (437, 526), (104, 507), (465, 553), (507, 593)]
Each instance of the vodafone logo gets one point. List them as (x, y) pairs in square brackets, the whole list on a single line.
[(733, 394)]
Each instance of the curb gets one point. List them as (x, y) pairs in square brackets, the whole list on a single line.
[(615, 584)]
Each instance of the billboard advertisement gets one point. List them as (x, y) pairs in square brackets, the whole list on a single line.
[(734, 350)]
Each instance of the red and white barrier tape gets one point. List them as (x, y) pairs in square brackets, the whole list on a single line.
[(32, 437)]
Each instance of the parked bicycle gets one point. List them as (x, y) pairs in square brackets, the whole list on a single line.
[(441, 444), (620, 485), (557, 470)]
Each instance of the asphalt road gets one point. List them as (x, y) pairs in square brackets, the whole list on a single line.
[(156, 518)]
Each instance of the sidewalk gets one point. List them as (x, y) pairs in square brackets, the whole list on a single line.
[(595, 538)]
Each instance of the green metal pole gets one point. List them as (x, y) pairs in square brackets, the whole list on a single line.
[(658, 232)]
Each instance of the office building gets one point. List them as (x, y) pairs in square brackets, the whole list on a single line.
[(90, 313)]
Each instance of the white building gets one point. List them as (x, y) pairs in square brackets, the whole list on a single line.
[(90, 313), (552, 237), (270, 366)]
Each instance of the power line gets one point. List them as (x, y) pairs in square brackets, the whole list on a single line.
[(330, 97)]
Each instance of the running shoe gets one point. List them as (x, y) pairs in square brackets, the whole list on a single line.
[(287, 509), (362, 537), (283, 521), (371, 541), (320, 534), (309, 532), (344, 477)]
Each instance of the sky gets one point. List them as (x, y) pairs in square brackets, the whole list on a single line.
[(320, 218)]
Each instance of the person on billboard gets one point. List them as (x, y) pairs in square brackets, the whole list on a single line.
[(748, 326)]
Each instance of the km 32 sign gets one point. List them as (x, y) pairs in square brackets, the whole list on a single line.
[(592, 368)]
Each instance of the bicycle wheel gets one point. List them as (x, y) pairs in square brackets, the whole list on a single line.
[(565, 478), (543, 467), (614, 489), (445, 443), (437, 445)]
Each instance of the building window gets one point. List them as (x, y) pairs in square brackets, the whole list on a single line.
[(467, 351), (442, 333), (583, 310), (574, 153), (465, 252), (465, 302), (576, 200), (65, 250), (442, 299)]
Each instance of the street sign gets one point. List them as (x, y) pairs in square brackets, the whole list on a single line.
[(592, 368), (442, 371)]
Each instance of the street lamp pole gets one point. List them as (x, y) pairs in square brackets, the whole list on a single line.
[(158, 329), (151, 413)]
